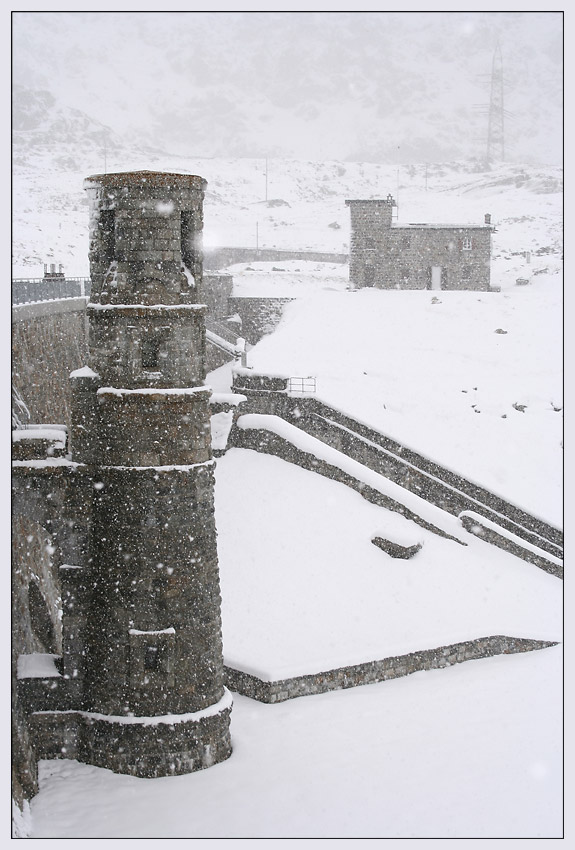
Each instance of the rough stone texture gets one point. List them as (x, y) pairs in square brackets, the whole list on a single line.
[(143, 609), (154, 429), (396, 550), (122, 337), (38, 537), (45, 349), (145, 231), (408, 468), (164, 749), (260, 316), (216, 289), (376, 671), (130, 598), (391, 256), (165, 595)]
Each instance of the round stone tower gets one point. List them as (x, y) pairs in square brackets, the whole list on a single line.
[(154, 701)]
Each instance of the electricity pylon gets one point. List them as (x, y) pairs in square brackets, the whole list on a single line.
[(495, 111), (495, 126)]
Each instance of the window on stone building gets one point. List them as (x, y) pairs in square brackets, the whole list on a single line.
[(150, 349), (187, 235), (107, 225), (467, 243), (151, 658)]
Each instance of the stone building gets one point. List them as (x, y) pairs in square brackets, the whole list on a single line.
[(130, 538), (387, 255)]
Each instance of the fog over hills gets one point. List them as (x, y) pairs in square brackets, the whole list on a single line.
[(381, 87)]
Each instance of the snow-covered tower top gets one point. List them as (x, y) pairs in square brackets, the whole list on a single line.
[(146, 319), (145, 237)]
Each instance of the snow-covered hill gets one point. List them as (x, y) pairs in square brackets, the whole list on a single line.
[(275, 203)]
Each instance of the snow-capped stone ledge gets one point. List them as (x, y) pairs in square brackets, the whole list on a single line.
[(223, 704), (231, 399), (148, 308), (370, 672), (37, 665), (46, 464), (170, 468), (84, 372), (493, 533), (153, 391)]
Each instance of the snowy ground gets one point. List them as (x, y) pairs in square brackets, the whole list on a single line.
[(472, 380), (470, 751), (305, 590)]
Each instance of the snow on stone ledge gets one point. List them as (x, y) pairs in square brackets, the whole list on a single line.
[(169, 631), (84, 372), (55, 435), (46, 463), (119, 391), (38, 665), (227, 398), (226, 702), (170, 468), (140, 307)]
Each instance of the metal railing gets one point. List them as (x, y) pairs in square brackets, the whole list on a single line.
[(28, 290), (302, 385)]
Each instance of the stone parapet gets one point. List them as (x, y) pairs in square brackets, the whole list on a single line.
[(382, 670)]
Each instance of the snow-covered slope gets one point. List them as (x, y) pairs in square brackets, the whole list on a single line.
[(284, 203)]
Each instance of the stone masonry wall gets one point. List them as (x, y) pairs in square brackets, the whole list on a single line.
[(45, 349), (260, 316), (377, 671), (264, 441), (388, 256), (406, 467), (48, 528)]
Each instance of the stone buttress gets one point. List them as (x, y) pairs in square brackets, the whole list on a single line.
[(149, 649)]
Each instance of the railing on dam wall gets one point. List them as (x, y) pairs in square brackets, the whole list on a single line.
[(28, 290), (219, 258)]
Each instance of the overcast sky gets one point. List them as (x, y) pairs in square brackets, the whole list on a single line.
[(326, 85)]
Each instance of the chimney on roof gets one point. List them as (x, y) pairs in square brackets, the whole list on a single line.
[(487, 218)]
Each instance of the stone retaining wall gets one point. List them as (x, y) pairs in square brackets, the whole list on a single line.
[(377, 671), (219, 258), (260, 440), (400, 464), (48, 342), (260, 316)]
